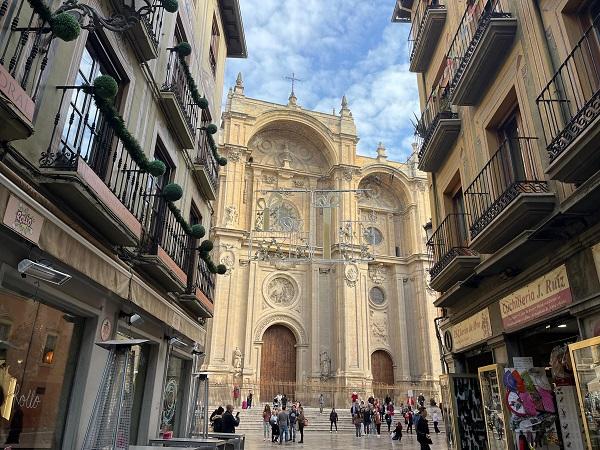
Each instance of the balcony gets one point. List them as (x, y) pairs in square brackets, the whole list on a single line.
[(449, 250), (166, 248), (144, 35), (23, 58), (569, 107), (176, 97), (427, 25), (438, 129), (86, 166), (199, 298), (507, 197), (206, 169), (480, 46)]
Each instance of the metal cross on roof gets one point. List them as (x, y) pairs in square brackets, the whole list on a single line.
[(293, 79)]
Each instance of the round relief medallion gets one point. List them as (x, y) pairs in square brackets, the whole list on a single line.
[(373, 236), (377, 296), (280, 291)]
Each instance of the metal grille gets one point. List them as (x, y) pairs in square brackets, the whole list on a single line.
[(111, 416)]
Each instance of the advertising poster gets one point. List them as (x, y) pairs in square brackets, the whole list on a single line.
[(468, 407)]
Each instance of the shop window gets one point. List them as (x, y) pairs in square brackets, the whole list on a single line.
[(213, 53), (173, 414), (36, 371), (49, 347)]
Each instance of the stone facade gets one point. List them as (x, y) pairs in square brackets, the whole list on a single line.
[(343, 311)]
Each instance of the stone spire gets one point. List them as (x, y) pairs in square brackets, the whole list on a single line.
[(381, 153), (292, 100), (345, 111), (239, 84)]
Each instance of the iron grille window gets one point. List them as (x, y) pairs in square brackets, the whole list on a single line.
[(214, 46)]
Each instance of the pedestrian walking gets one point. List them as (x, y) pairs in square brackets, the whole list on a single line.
[(435, 417), (302, 422), (283, 420), (408, 419), (422, 429), (388, 420), (357, 420), (284, 401), (274, 426), (249, 400), (266, 422), (367, 419), (377, 420), (333, 419), (229, 421), (321, 403)]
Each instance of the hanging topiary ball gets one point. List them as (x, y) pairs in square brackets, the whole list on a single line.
[(183, 49), (212, 128), (170, 5), (64, 26), (206, 246), (204, 256), (222, 161), (106, 87), (172, 192), (211, 267), (157, 168), (203, 103), (221, 269), (197, 231)]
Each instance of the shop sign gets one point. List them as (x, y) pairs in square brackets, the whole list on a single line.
[(470, 331), (23, 219), (13, 91), (540, 298)]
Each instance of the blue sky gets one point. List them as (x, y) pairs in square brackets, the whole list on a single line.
[(337, 47)]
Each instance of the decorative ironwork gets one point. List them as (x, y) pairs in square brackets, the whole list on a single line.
[(474, 23), (570, 102), (201, 278), (511, 171), (418, 22), (437, 108), (448, 242), (205, 155), (176, 82)]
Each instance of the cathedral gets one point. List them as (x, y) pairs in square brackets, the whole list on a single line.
[(326, 290)]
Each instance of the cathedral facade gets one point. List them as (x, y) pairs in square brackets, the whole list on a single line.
[(326, 289)]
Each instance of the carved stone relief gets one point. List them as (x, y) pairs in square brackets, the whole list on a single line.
[(351, 275), (379, 326), (280, 291), (228, 260), (231, 216), (378, 273)]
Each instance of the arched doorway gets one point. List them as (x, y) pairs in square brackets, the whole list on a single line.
[(382, 368), (278, 363)]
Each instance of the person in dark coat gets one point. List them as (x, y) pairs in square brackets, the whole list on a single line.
[(422, 430), (216, 419), (397, 432), (333, 419), (229, 421)]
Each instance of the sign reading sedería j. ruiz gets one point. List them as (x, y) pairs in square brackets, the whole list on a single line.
[(537, 299)]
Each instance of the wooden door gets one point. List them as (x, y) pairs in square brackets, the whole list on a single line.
[(278, 363), (382, 369)]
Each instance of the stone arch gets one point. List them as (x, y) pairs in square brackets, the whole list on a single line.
[(282, 319), (305, 125), (396, 180)]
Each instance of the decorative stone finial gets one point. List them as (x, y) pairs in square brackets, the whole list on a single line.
[(292, 100), (345, 111), (239, 84), (381, 152)]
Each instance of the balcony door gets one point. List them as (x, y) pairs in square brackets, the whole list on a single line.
[(158, 222), (513, 157)]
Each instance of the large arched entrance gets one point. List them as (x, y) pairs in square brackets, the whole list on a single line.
[(278, 363), (382, 368)]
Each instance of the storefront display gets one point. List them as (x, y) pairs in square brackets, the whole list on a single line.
[(585, 356), (466, 414), (173, 406), (447, 411), (38, 347), (530, 401), (496, 416)]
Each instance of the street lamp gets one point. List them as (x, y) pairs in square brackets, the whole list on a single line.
[(428, 227)]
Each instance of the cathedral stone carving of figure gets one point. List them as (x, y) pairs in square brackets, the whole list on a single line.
[(281, 291), (325, 365), (237, 359)]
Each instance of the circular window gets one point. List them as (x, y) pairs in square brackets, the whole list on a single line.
[(373, 236), (377, 296)]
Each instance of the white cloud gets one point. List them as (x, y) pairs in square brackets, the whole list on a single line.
[(337, 47)]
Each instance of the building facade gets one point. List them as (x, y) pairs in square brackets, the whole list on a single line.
[(99, 240), (301, 311), (509, 137)]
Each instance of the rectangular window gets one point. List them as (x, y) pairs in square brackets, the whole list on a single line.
[(213, 53)]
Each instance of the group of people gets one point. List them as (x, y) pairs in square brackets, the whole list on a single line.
[(282, 424), (223, 420)]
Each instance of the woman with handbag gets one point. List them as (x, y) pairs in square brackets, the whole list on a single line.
[(422, 430), (302, 422)]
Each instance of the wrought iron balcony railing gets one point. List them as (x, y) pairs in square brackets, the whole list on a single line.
[(154, 21), (24, 45), (165, 232), (176, 82), (202, 279), (86, 137), (418, 20), (511, 171), (437, 107), (473, 24), (570, 102), (205, 156), (447, 242)]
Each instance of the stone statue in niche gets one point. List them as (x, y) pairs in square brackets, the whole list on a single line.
[(325, 362), (237, 360)]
